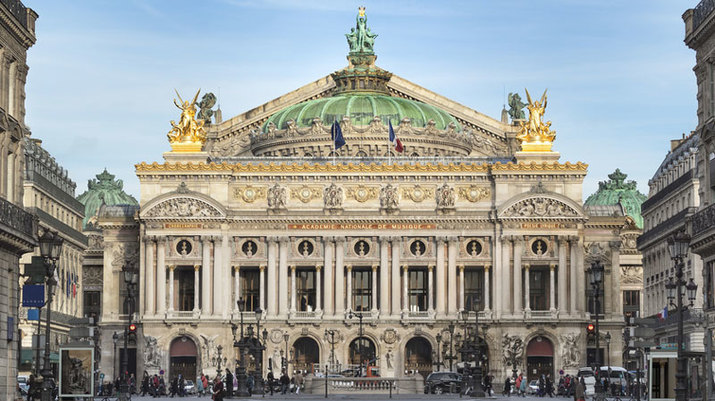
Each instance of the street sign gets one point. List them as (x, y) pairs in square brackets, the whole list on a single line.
[(643, 332), (33, 296)]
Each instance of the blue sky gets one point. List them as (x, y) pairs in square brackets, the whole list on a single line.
[(102, 73)]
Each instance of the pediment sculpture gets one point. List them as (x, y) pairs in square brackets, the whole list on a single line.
[(183, 207), (389, 197), (333, 196), (445, 197), (277, 197), (540, 207)]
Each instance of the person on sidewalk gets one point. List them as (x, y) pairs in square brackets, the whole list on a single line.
[(285, 382), (580, 392), (298, 381)]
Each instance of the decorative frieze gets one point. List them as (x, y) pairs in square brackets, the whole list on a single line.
[(249, 193), (474, 193)]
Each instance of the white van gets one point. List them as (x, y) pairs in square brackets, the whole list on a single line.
[(616, 376)]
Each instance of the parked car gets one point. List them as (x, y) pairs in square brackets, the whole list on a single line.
[(189, 387), (533, 387), (443, 382)]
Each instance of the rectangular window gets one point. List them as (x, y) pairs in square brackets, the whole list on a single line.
[(473, 289), (184, 278), (305, 289), (631, 303), (93, 304), (362, 289), (250, 288), (539, 291), (417, 284)]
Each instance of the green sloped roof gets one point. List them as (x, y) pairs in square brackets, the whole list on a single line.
[(362, 108), (617, 191), (104, 190)]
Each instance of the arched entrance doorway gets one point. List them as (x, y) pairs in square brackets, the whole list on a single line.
[(362, 354), (418, 356), (539, 358), (307, 354), (182, 358)]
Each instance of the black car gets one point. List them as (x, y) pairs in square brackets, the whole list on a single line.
[(443, 382)]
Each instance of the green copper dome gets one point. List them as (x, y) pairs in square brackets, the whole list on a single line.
[(616, 191), (104, 190), (362, 107)]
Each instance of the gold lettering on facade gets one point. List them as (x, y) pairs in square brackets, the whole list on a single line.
[(362, 226), (183, 225)]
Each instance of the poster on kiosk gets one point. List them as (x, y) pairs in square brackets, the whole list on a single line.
[(76, 378)]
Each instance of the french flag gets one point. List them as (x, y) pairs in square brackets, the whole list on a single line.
[(662, 315), (394, 139)]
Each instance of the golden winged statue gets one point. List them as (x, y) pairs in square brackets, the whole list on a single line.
[(534, 134), (189, 134)]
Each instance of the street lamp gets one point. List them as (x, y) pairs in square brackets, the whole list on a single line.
[(217, 360), (352, 315), (451, 357), (115, 338), (50, 249), (286, 337), (331, 333), (242, 390), (439, 351), (596, 271), (130, 279), (607, 337), (260, 347), (678, 249)]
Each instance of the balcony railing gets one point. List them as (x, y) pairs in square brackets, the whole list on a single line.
[(702, 11), (704, 219), (17, 218), (17, 9)]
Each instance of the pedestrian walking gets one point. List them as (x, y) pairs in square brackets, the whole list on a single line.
[(218, 389), (580, 393), (285, 382), (298, 381), (507, 387), (229, 383), (523, 385), (270, 379), (200, 385)]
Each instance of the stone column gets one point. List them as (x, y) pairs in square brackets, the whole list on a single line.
[(272, 298), (236, 286), (453, 242), (573, 275), (318, 288), (171, 288), (527, 300), (405, 290), (552, 287), (262, 286), (518, 294), (329, 289), (339, 277), (441, 276), (498, 266), (151, 276), (206, 276), (225, 274), (384, 280), (581, 277), (161, 276), (283, 276), (395, 308), (196, 287), (374, 288), (293, 290), (461, 287), (218, 278), (430, 288), (349, 288), (615, 287), (505, 284), (562, 275), (143, 293), (487, 287)]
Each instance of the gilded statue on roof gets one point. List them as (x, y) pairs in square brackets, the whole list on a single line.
[(360, 38), (189, 134), (534, 134)]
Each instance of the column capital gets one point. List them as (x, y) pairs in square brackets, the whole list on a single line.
[(206, 239), (339, 240), (328, 238), (148, 238), (562, 239), (405, 268), (384, 239), (292, 268), (615, 245), (196, 267), (395, 238), (461, 268), (374, 268), (172, 267), (552, 266), (161, 240), (526, 266), (487, 267), (430, 268), (283, 239), (453, 238), (272, 238), (318, 268), (440, 238), (518, 240), (237, 268), (573, 238), (262, 267), (349, 268)]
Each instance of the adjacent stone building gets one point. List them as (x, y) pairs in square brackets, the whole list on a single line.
[(17, 227), (49, 194)]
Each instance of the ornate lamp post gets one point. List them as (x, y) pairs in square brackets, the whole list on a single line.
[(115, 339), (242, 390), (678, 248), (471, 350), (286, 337), (217, 360), (596, 271), (331, 333), (450, 357), (130, 279), (50, 249), (439, 352), (260, 347), (352, 315)]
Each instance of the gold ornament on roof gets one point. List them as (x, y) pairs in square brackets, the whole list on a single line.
[(535, 135), (361, 11), (189, 134)]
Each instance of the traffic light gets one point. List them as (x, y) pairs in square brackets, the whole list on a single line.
[(590, 329), (132, 328)]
